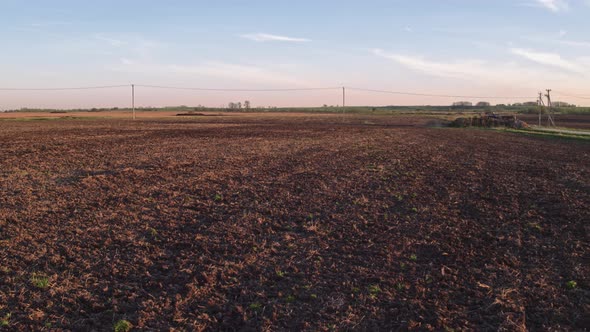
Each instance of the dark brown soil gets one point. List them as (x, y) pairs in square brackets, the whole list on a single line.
[(197, 114), (295, 223)]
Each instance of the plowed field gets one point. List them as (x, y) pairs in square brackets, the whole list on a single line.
[(290, 223)]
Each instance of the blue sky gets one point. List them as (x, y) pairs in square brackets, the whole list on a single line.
[(458, 47)]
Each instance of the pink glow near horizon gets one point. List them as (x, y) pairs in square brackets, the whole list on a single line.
[(148, 97)]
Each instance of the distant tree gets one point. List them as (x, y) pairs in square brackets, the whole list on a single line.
[(247, 104), (462, 104), (483, 104), (562, 104)]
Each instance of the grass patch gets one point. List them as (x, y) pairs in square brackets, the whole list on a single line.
[(255, 306), (122, 326), (5, 321), (547, 134), (40, 281)]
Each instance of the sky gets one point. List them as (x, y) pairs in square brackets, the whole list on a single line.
[(504, 50)]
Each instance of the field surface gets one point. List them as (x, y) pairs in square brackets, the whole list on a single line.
[(299, 222)]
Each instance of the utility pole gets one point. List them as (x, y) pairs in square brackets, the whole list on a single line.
[(133, 99), (541, 106), (550, 111), (343, 97)]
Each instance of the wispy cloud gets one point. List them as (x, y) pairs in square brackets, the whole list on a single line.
[(577, 43), (548, 59), (46, 24), (464, 69), (552, 5), (213, 69), (111, 41), (505, 73), (265, 37)]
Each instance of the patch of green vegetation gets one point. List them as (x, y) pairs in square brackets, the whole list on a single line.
[(314, 296), (280, 273), (374, 289), (217, 197), (400, 286), (152, 232), (5, 321), (535, 226), (402, 266), (122, 326), (571, 284), (290, 299), (413, 257), (255, 306), (40, 281), (553, 135)]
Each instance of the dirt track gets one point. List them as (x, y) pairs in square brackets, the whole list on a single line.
[(300, 222)]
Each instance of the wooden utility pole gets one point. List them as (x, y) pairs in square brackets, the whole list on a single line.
[(133, 99), (343, 97), (550, 109), (541, 106)]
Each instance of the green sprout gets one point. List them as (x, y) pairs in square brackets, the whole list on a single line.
[(123, 326), (374, 289), (255, 306), (40, 281), (4, 322)]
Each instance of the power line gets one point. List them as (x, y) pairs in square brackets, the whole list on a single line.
[(433, 95), (235, 90), (571, 96), (282, 90), (65, 89)]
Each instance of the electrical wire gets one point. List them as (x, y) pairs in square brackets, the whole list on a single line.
[(235, 90), (65, 89), (281, 90), (571, 96), (433, 95)]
